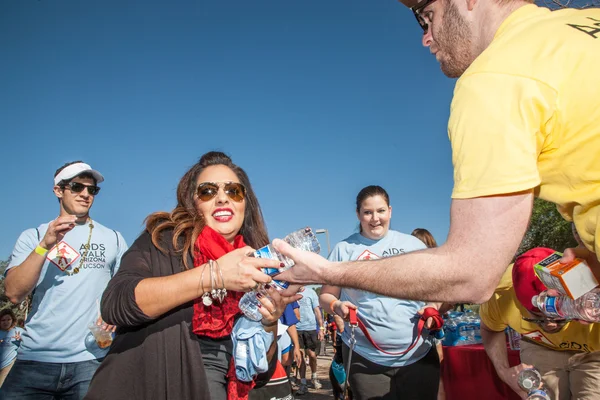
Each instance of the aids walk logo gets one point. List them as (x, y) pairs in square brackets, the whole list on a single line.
[(367, 255), (539, 337), (62, 255)]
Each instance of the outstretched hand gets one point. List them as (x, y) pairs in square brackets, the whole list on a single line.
[(308, 266), (241, 272)]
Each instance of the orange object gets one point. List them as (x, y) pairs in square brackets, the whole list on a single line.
[(573, 279)]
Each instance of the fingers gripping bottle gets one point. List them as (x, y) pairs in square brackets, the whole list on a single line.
[(304, 239), (530, 381)]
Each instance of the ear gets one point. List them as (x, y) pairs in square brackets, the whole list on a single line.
[(390, 212), (58, 191)]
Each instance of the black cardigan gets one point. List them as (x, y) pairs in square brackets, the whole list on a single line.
[(149, 359)]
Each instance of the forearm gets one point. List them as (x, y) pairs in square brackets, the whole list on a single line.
[(319, 317), (273, 348), (430, 275), (156, 296), (293, 332), (495, 347), (22, 279)]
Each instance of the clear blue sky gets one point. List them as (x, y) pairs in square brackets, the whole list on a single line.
[(315, 99)]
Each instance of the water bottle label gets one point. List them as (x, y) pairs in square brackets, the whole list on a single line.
[(551, 305), (265, 252)]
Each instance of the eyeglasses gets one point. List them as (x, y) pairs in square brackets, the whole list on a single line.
[(77, 187), (543, 320), (208, 190), (417, 12)]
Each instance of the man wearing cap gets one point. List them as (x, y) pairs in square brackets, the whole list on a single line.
[(565, 353), (66, 264), (524, 121)]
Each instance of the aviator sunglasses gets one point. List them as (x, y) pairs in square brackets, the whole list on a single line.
[(77, 187), (208, 190)]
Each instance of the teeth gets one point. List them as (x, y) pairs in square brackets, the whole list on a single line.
[(222, 214)]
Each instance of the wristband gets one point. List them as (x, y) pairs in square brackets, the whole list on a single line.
[(40, 250), (331, 305)]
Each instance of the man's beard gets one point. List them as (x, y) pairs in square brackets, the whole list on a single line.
[(454, 41)]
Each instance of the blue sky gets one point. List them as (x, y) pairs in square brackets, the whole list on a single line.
[(314, 99)]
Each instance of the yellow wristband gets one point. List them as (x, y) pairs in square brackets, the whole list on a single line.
[(40, 250)]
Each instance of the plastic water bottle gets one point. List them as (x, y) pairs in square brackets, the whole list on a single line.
[(538, 394), (304, 239), (585, 308), (529, 380)]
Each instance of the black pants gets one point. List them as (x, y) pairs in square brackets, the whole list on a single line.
[(418, 381)]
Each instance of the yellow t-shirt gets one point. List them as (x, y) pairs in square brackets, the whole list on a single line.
[(504, 309), (526, 114)]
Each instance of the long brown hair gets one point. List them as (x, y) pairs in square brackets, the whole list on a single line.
[(187, 223), (425, 236)]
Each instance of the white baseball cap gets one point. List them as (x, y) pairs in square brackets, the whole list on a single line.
[(77, 169)]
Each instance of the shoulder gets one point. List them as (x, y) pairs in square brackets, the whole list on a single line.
[(408, 242)]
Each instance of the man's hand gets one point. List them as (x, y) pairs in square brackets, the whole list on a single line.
[(510, 375), (297, 356), (307, 268), (106, 327), (582, 252), (57, 230), (321, 335)]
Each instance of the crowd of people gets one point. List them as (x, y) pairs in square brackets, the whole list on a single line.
[(160, 319)]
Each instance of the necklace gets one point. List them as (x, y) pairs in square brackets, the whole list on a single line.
[(85, 253)]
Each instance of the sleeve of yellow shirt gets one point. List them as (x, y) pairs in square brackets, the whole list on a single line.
[(490, 314), (497, 128)]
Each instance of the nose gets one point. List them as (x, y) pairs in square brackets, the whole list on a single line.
[(221, 198), (427, 38)]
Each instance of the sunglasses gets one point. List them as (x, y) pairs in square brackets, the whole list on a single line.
[(208, 190), (543, 320), (417, 12), (77, 187)]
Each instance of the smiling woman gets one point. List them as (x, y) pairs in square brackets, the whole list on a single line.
[(406, 364), (175, 298)]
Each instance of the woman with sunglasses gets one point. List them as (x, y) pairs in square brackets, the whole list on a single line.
[(175, 298), (384, 366)]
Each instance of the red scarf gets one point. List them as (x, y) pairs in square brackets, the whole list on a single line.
[(216, 320)]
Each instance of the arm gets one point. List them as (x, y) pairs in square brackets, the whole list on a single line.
[(22, 279), (319, 317), (293, 332), (484, 234), (495, 346), (135, 295)]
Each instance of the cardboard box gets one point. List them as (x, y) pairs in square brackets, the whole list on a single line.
[(573, 279)]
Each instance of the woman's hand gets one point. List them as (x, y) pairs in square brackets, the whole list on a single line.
[(342, 308), (242, 273), (272, 304)]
